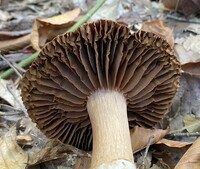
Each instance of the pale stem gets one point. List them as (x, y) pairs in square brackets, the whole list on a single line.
[(111, 137)]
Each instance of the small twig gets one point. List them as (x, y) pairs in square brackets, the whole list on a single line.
[(9, 114), (195, 134), (12, 58), (16, 71), (147, 149), (7, 107), (20, 69), (22, 8), (23, 63), (31, 58), (33, 8), (183, 19)]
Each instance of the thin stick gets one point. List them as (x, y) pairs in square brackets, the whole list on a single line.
[(147, 148), (31, 58), (23, 63), (14, 69), (9, 114), (6, 107), (183, 19), (183, 134), (20, 69)]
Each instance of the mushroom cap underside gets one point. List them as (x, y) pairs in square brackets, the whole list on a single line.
[(99, 55)]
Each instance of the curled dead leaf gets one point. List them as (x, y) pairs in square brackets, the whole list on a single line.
[(191, 159), (144, 134), (46, 29)]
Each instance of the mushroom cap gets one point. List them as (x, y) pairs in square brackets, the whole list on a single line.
[(99, 55)]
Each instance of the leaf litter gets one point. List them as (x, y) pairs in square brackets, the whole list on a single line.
[(31, 148), (44, 30)]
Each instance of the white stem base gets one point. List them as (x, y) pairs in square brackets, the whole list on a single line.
[(119, 164), (111, 137)]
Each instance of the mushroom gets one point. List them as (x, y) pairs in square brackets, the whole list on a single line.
[(93, 84)]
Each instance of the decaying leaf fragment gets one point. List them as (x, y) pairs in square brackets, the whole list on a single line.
[(185, 102), (8, 96), (188, 49), (11, 154), (54, 149), (191, 159), (192, 123), (169, 152), (45, 30)]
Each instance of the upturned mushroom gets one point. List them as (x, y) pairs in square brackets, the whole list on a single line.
[(97, 82)]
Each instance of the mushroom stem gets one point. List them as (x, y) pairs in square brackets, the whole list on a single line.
[(111, 138)]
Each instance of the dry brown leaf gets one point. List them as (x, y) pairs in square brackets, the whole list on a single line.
[(192, 68), (169, 155), (172, 143), (187, 7), (190, 7), (158, 27), (45, 30), (11, 154), (191, 159), (172, 5), (140, 137), (14, 44)]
